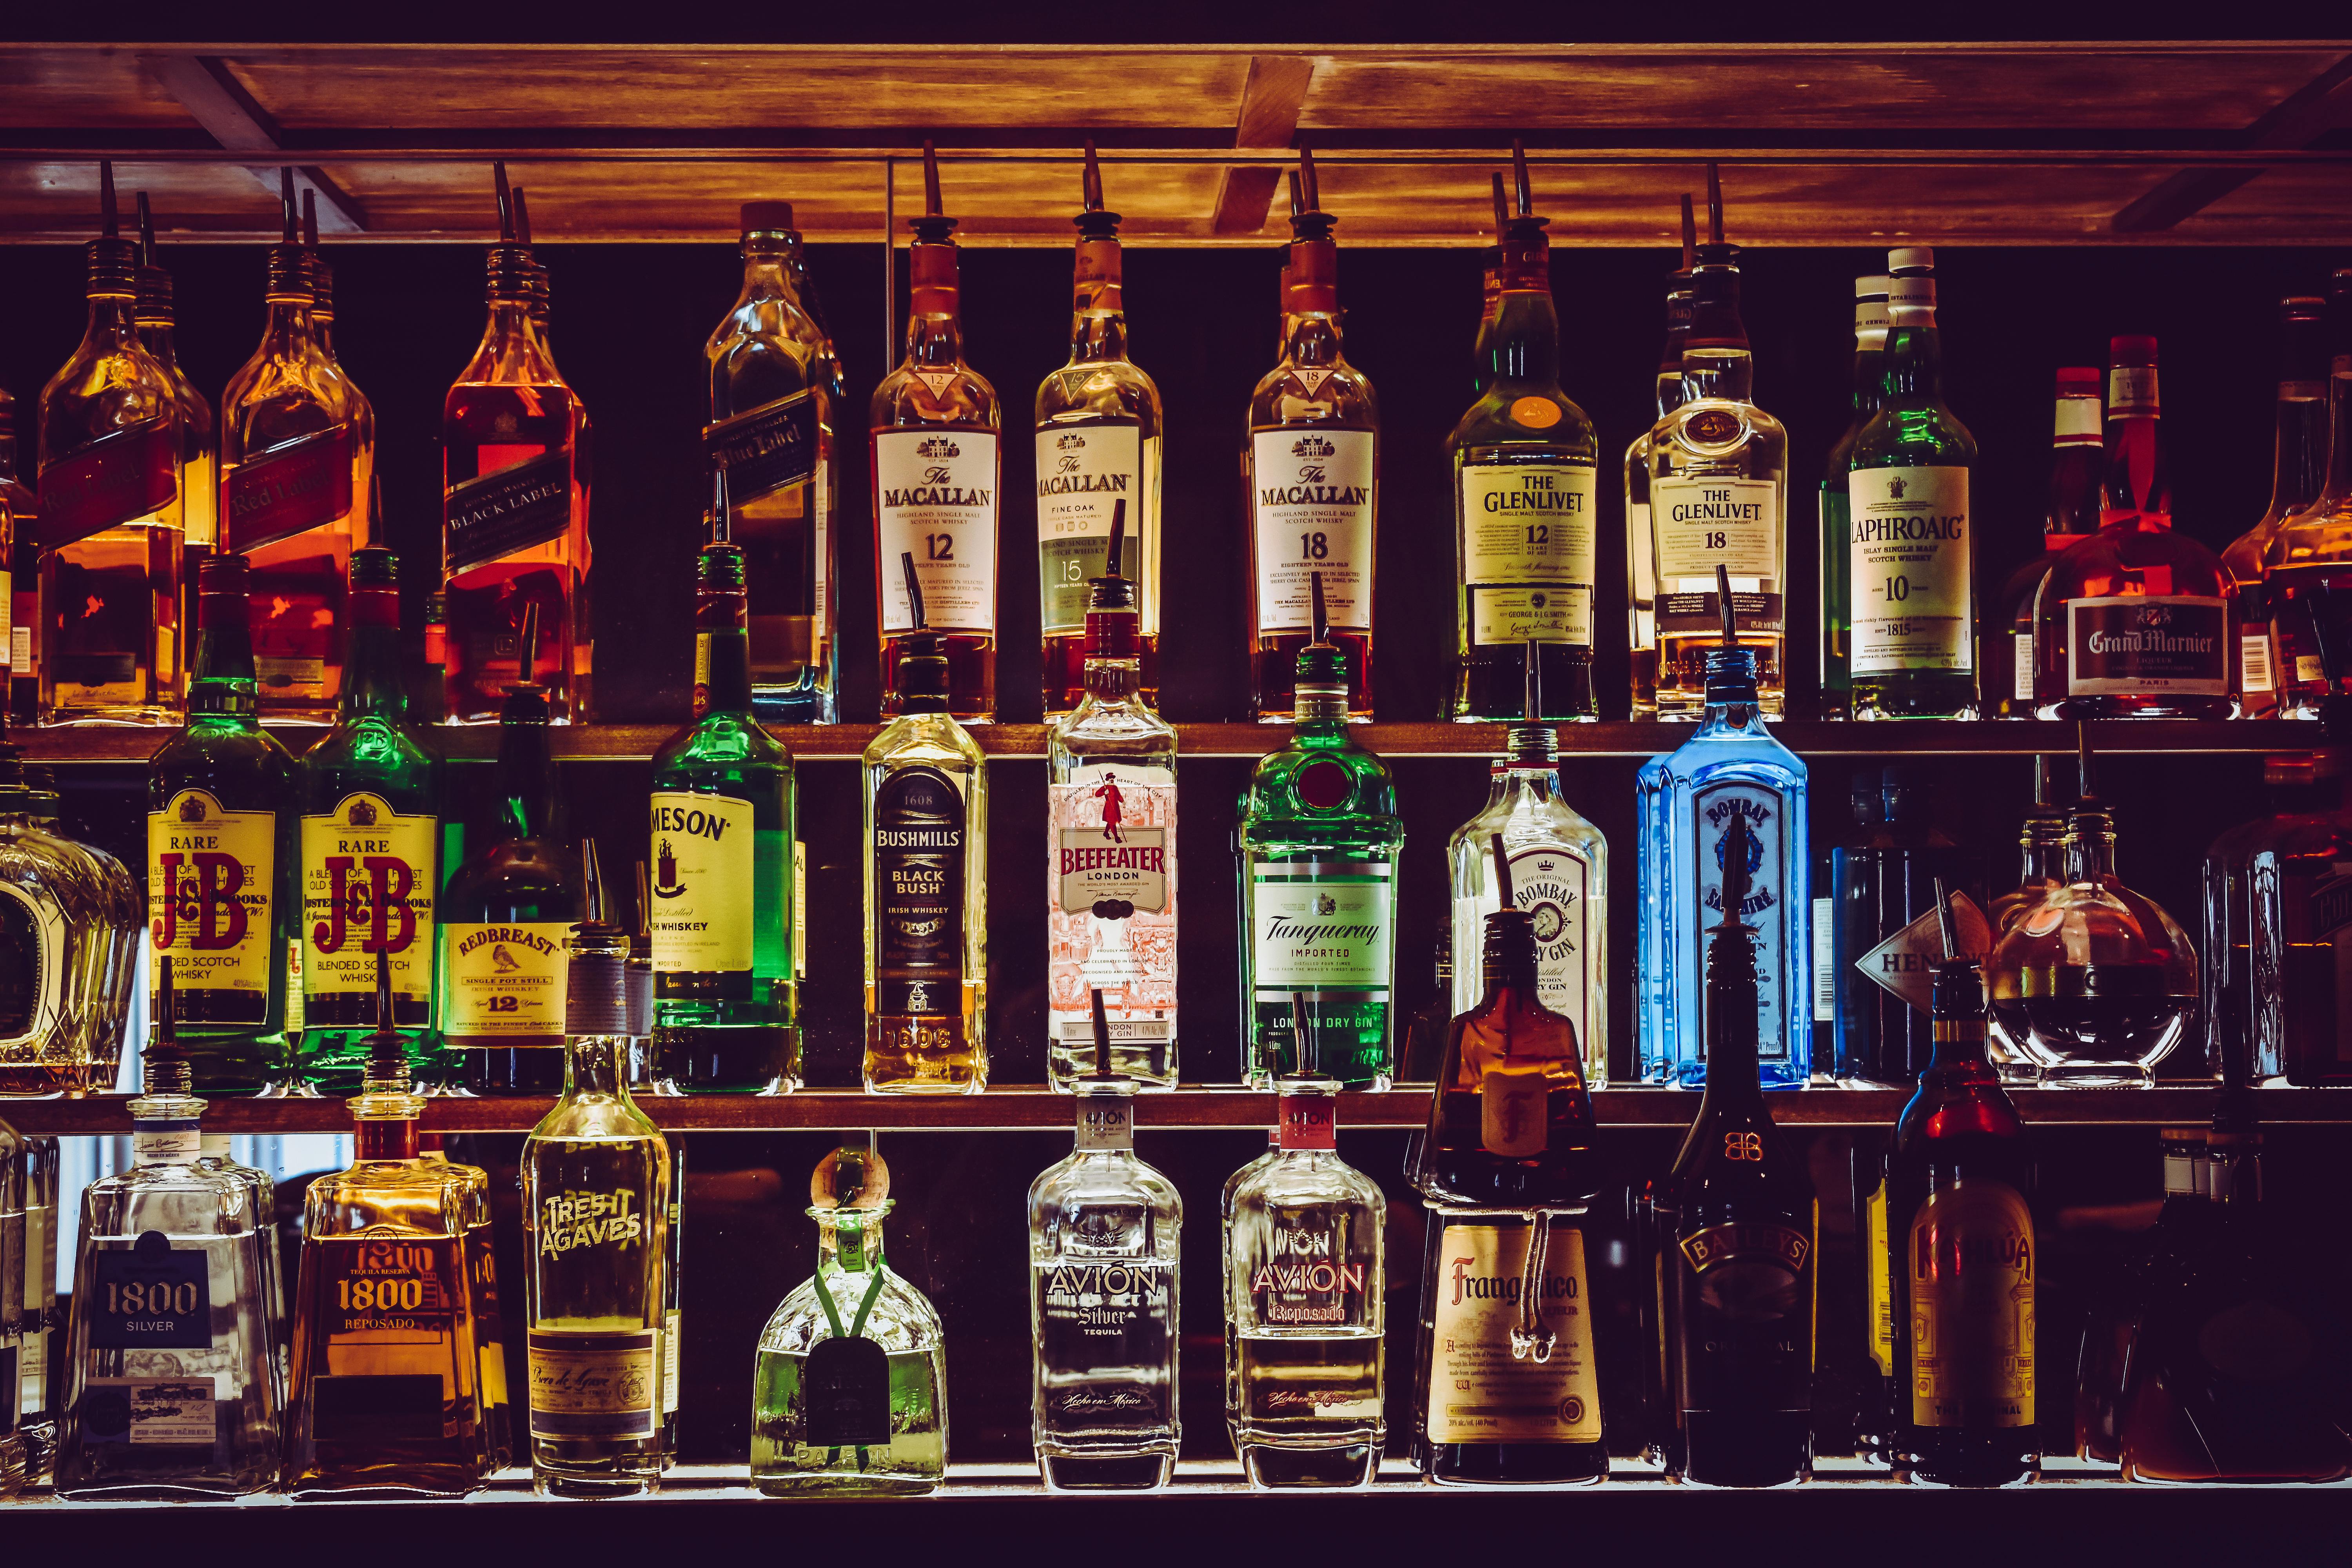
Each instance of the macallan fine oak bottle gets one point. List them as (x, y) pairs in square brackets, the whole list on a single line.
[(1641, 556), (935, 424)]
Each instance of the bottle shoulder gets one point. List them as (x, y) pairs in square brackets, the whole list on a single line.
[(2117, 561), (1098, 731), (1340, 397), (1098, 392), (902, 400), (239, 756), (602, 1117), (1493, 429), (729, 740), (1921, 436), (1300, 1180), (925, 739)]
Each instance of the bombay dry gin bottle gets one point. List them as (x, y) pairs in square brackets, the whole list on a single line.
[(1526, 468), (1640, 556), (935, 426), (171, 1387), (1837, 499), (773, 423), (514, 506), (849, 1394), (1320, 839), (595, 1208), (112, 510), (199, 441), (1104, 1229), (726, 996), (1311, 469), (1306, 1304), (370, 793), (1110, 877), (221, 847), (1098, 446)]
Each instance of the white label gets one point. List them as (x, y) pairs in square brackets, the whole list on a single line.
[(2131, 389), (1110, 900), (1105, 1122), (1527, 522), (1712, 810), (504, 978), (2022, 680), (1320, 927), (936, 499), (670, 1325), (1717, 521), (1311, 506), (1509, 615), (1553, 883), (1908, 564), (2255, 659), (175, 1411), (1083, 473), (821, 521), (20, 650), (175, 1147), (2078, 423), (1824, 964), (705, 868), (1479, 1391)]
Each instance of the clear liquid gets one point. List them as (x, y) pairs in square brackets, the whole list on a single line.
[(914, 1460), (1105, 1360), (1309, 1412)]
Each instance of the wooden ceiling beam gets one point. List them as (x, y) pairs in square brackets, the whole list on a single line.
[(1273, 97), (2311, 111), (218, 101)]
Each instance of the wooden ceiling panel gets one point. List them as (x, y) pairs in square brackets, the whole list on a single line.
[(83, 89), (2309, 204), (190, 200)]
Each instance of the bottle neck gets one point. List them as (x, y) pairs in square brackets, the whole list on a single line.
[(1311, 338), (853, 1246), (2138, 488), (290, 328), (1098, 315), (1537, 781), (2044, 851), (386, 1138), (222, 682), (591, 1065), (1912, 374), (2339, 428), (156, 334), (1523, 346), (1869, 372), (1113, 679), (2093, 841), (722, 668), (1956, 1021), (372, 683), (1726, 374), (934, 323), (526, 778), (113, 322), (2300, 454), (1322, 707)]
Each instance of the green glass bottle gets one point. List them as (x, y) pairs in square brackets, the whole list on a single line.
[(220, 854), (370, 854), (1869, 372), (1319, 838), (721, 827)]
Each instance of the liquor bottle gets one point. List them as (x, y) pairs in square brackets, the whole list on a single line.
[(1490, 292), (112, 503), (505, 916), (727, 1017), (2070, 514), (429, 699), (672, 1319), (1307, 1298), (76, 919), (14, 1277), (596, 1206), (1099, 441), (935, 426), (1425, 1037), (221, 846), (1525, 469), (1870, 325), (772, 439), (1909, 569), (371, 853), (496, 1426), (385, 1391), (38, 1161), (1320, 840), (1110, 871), (2278, 928), (1104, 1229), (214, 1154), (1884, 940), (24, 562), (926, 880), (171, 1375), (1730, 770), (2045, 844), (2137, 621), (121, 912), (2113, 1283), (1641, 558), (514, 508), (295, 457), (362, 412), (849, 1392), (2298, 475), (199, 443), (1738, 1226), (1719, 482), (1962, 1261), (1559, 869), (2306, 561), (1311, 471)]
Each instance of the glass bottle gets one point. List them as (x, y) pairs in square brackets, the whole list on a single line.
[(596, 1206), (514, 508), (361, 416), (1425, 1037), (1104, 1232), (849, 1395), (113, 508), (926, 881), (1526, 471), (2278, 930), (220, 854), (38, 1161), (497, 1440), (215, 1156), (171, 1375), (199, 452), (120, 913), (1886, 937), (2045, 843), (935, 426), (1098, 444), (2298, 475), (1641, 559), (67, 933), (1110, 875), (2137, 621), (2306, 562), (1870, 325), (1305, 1274), (723, 810), (1863, 804), (16, 1274), (23, 559), (2070, 514), (772, 439), (1910, 568), (1310, 469), (1318, 841), (371, 853)]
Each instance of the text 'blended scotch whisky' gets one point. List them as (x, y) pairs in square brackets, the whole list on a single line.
[(1526, 470), (514, 507), (1311, 471), (1640, 554), (1099, 442), (2070, 514), (1837, 608), (775, 419), (936, 427)]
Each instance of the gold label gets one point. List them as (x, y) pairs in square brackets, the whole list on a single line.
[(1969, 1257), (504, 979), (1535, 413), (1514, 1107), (368, 880), (1882, 1295), (209, 885), (594, 1384), (703, 873), (1478, 1392)]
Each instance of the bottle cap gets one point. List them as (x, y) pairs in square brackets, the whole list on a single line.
[(1911, 259), (850, 1180), (2132, 350), (596, 990), (767, 217), (1871, 288), (2078, 381)]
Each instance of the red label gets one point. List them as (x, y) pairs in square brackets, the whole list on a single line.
[(290, 489), (115, 478), (1309, 1122)]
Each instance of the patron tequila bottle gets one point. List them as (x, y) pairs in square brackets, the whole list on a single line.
[(2298, 475), (1640, 554), (1836, 507), (2308, 559), (199, 442), (2070, 514)]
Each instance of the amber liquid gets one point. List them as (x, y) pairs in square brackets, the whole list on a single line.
[(299, 588), (929, 1055), (1064, 673), (110, 645), (1276, 673), (487, 428), (971, 676)]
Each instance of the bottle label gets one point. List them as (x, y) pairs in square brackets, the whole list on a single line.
[(2131, 390), (1307, 1121), (1311, 507), (1908, 565), (1527, 551), (1905, 964), (846, 1394), (594, 1384), (32, 974), (705, 876), (1712, 811), (512, 509), (935, 498), (1969, 1256), (2132, 644), (1881, 1278), (1553, 883), (368, 874), (151, 1296), (672, 1326), (596, 994), (153, 1143), (569, 1221), (1111, 895), (1325, 928), (1824, 961), (1307, 1277), (211, 879), (1110, 1318), (1479, 1391), (921, 833), (117, 479), (2078, 423), (504, 979), (1082, 474), (2254, 665), (290, 489), (2022, 671), (413, 1284), (1105, 1122), (1717, 521), (140, 1411), (295, 1017), (765, 449)]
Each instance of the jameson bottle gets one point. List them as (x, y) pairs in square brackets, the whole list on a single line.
[(1837, 609), (221, 847), (725, 996)]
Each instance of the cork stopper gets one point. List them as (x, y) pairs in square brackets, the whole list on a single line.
[(850, 1183)]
